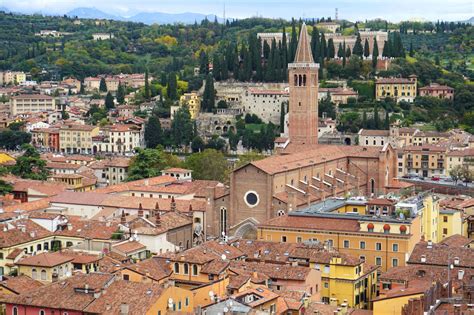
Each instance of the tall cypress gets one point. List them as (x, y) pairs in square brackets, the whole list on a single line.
[(203, 63), (412, 52), (344, 54), (340, 51), (172, 88), (315, 44), (331, 49), (209, 96), (284, 49), (358, 49), (375, 54), (323, 48), (366, 49), (147, 86), (293, 41)]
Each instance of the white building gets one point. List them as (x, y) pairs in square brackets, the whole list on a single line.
[(373, 138), (31, 103)]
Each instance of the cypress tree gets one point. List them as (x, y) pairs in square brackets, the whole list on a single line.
[(147, 86), (375, 54), (386, 49), (366, 49), (340, 51), (216, 67), (315, 44), (153, 132), (102, 85), (323, 48), (172, 88), (282, 117), (348, 52), (224, 70), (364, 119), (376, 118), (412, 53), (387, 121), (120, 94), (344, 54), (236, 64), (246, 72), (266, 50), (209, 96), (109, 101), (331, 49), (284, 49), (293, 41), (358, 49), (203, 63)]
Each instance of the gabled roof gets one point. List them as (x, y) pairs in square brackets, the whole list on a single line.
[(20, 284), (45, 260)]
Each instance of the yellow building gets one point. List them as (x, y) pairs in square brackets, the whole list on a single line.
[(460, 158), (193, 102), (400, 89), (425, 161), (344, 278), (392, 302), (46, 267), (5, 158), (75, 138), (450, 223), (75, 182)]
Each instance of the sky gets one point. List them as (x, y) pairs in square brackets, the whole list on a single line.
[(393, 10)]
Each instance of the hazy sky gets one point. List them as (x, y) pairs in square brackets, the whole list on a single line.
[(394, 10)]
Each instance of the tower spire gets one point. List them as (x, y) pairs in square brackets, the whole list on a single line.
[(303, 51)]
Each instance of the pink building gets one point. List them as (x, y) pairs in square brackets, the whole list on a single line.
[(436, 90)]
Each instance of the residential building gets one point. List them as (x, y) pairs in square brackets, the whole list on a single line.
[(192, 101), (46, 138), (331, 27), (31, 103), (400, 89), (12, 77), (46, 267), (438, 91), (460, 158), (75, 138), (91, 84), (102, 36), (339, 95), (18, 285), (118, 138), (424, 161), (377, 138), (116, 170)]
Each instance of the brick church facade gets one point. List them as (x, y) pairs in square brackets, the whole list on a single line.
[(303, 172)]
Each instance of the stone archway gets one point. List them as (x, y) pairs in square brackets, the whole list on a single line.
[(347, 141), (247, 230)]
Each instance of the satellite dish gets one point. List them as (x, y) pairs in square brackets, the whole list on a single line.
[(224, 257)]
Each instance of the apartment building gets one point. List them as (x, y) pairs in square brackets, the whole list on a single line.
[(425, 160), (192, 101), (119, 138), (75, 138), (460, 158), (438, 91), (31, 103), (373, 138), (12, 77)]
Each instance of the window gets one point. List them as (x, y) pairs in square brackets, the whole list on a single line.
[(179, 306), (394, 262), (195, 270), (395, 247), (445, 231), (42, 312), (330, 243), (126, 277), (34, 274), (299, 239), (43, 274), (326, 285), (186, 301), (14, 310), (362, 258), (283, 239), (186, 269), (176, 267), (223, 220), (346, 244), (362, 245), (38, 247), (378, 246), (378, 261), (445, 218), (251, 198), (69, 244)]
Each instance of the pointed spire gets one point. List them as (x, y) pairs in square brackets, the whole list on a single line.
[(303, 52)]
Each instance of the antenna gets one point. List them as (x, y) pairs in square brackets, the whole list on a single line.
[(224, 15), (337, 14)]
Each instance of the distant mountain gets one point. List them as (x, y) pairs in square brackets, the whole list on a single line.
[(93, 13), (170, 18), (470, 21), (144, 17)]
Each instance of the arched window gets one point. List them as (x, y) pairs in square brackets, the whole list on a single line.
[(176, 267), (42, 312), (296, 80), (38, 247), (281, 213), (43, 274), (304, 79), (186, 269), (223, 220), (195, 270), (372, 186), (34, 274), (300, 80), (15, 310), (68, 244)]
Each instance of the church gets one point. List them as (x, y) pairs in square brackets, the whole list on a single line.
[(303, 172)]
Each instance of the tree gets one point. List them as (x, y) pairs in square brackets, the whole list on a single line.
[(366, 49), (197, 145), (466, 174), (5, 187), (102, 85), (331, 49), (30, 165), (153, 132), (209, 95), (208, 165), (12, 140), (172, 88), (358, 49), (233, 140), (182, 128), (376, 118), (248, 157), (315, 42), (387, 121), (109, 101), (293, 41), (203, 63), (120, 94), (412, 52), (149, 163), (456, 173), (147, 86), (375, 54)]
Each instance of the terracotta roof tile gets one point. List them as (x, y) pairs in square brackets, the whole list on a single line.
[(154, 268), (314, 223), (20, 284), (128, 247), (45, 260)]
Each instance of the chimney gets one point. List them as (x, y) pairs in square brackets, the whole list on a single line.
[(344, 308), (123, 220), (423, 258), (190, 208), (124, 309), (140, 210), (158, 218), (86, 288), (430, 244), (173, 204)]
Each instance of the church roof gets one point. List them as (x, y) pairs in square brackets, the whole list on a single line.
[(303, 52)]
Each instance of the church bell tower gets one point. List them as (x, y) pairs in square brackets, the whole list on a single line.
[(303, 104)]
